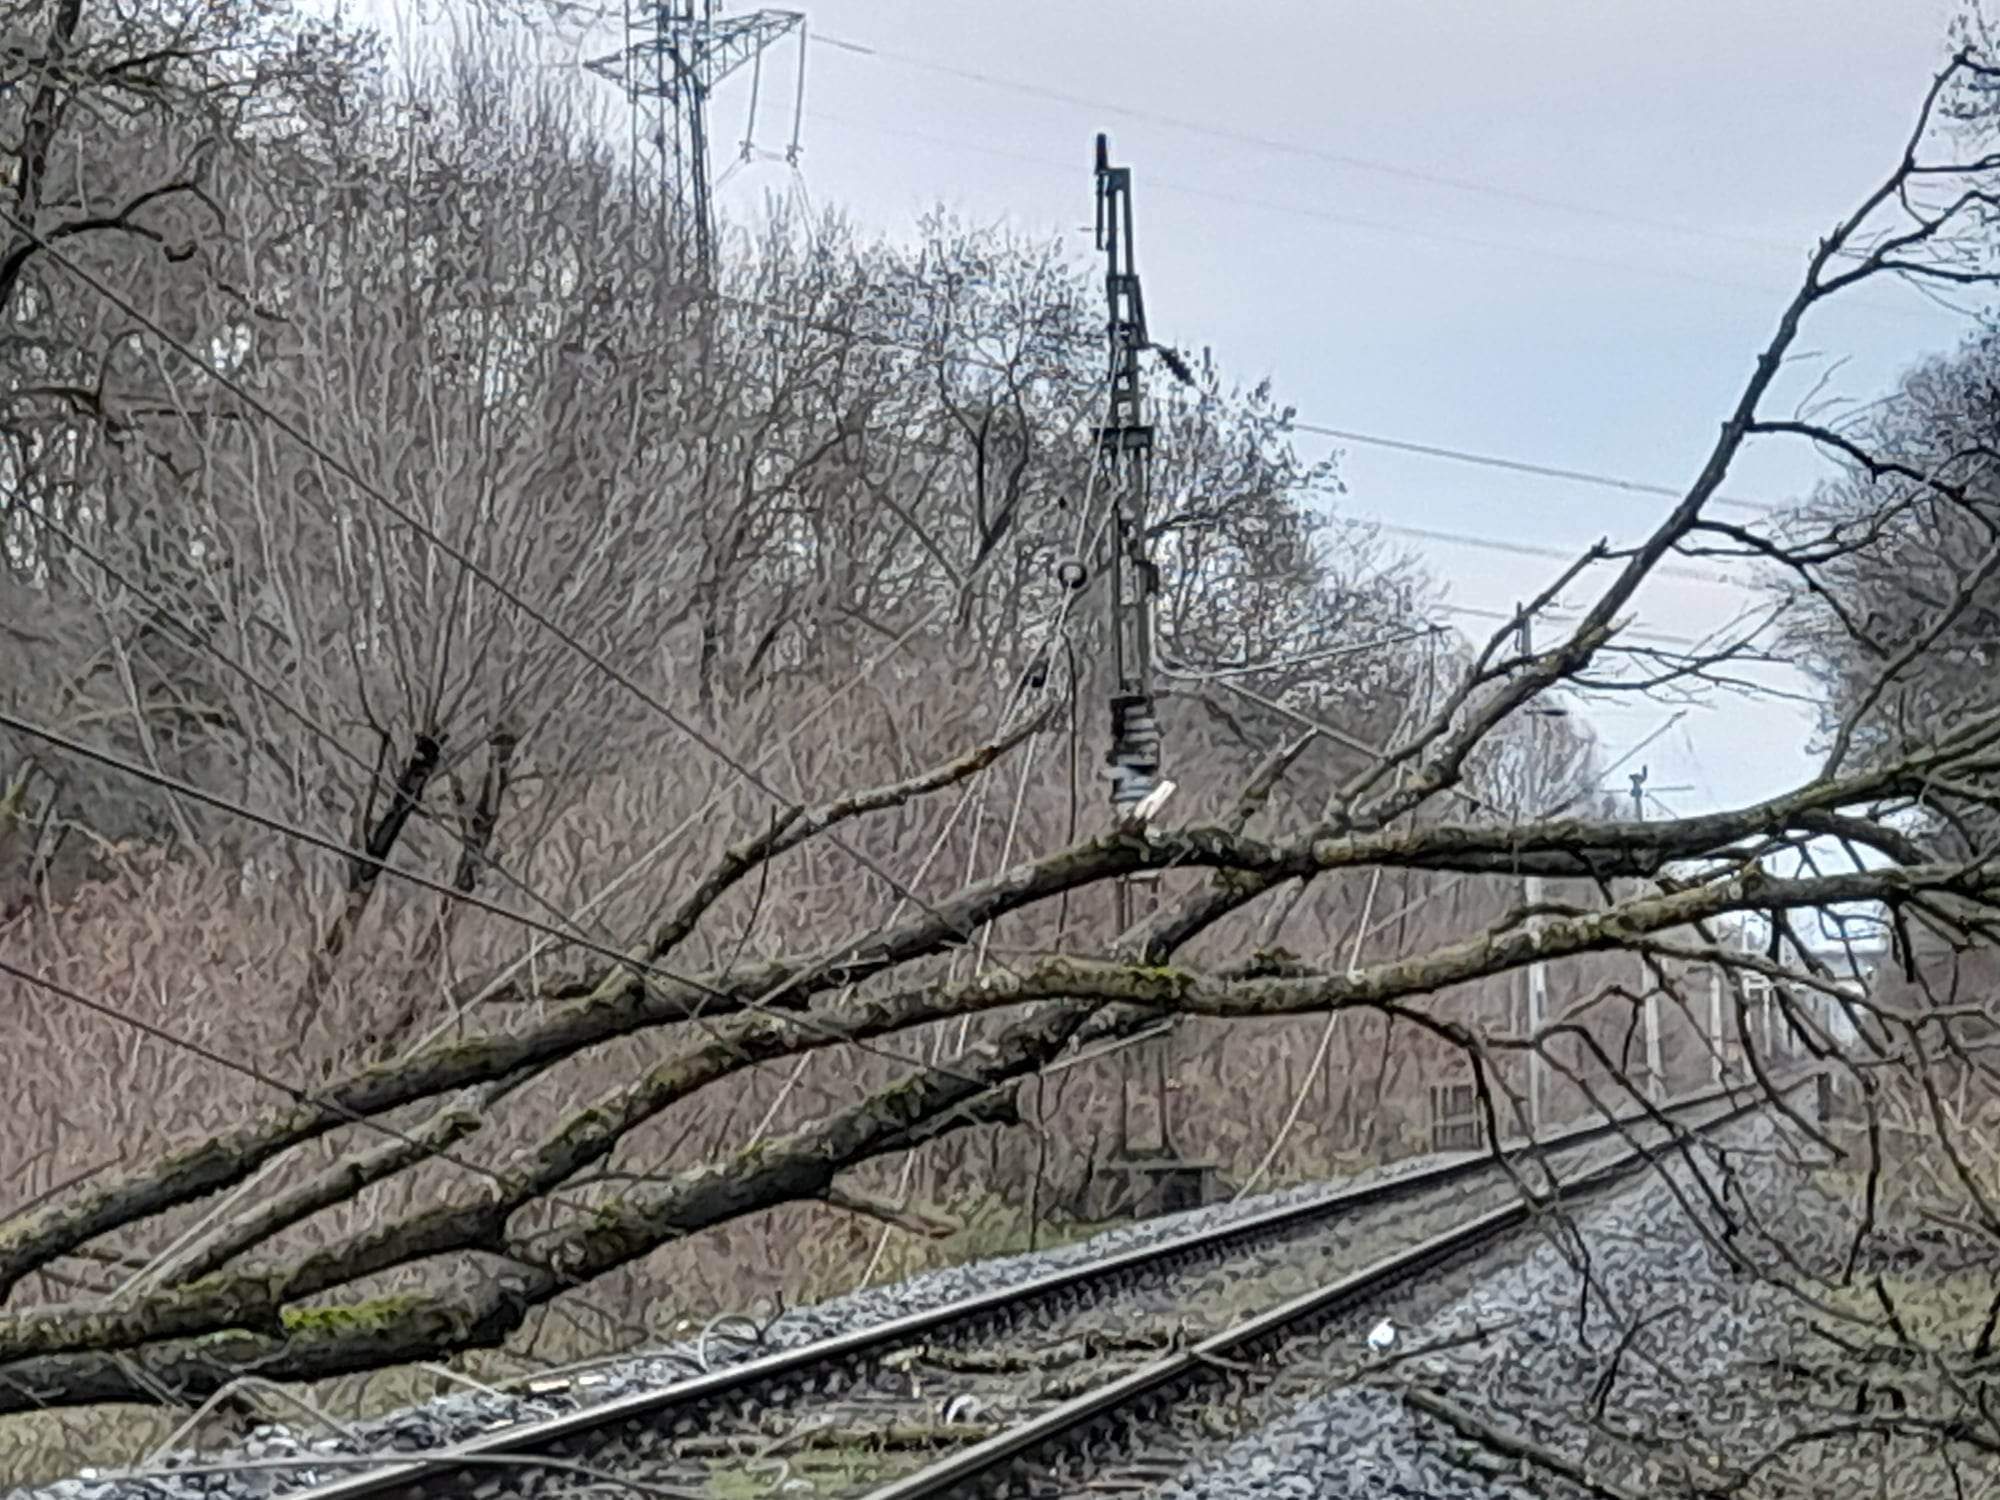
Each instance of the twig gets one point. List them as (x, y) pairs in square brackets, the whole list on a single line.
[(1523, 1450), (917, 1221)]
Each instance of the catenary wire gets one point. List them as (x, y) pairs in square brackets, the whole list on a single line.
[(574, 921), (519, 603), (1445, 451), (1475, 612), (293, 831), (299, 834), (474, 568), (1522, 466), (377, 496), (1535, 549), (1053, 624), (542, 620), (450, 892), (296, 1092), (1541, 255), (1278, 144), (1631, 488), (168, 616)]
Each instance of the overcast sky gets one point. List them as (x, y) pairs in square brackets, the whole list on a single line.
[(1556, 231)]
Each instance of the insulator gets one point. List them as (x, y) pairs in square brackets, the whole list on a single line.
[(1129, 787)]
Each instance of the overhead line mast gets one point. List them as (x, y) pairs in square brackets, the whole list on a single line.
[(1125, 441), (1157, 1174)]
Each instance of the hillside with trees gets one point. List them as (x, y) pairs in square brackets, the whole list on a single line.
[(540, 801)]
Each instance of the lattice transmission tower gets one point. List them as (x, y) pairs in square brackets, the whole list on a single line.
[(675, 53)]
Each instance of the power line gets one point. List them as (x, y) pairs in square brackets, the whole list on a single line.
[(1637, 633), (486, 576), (274, 824), (1614, 483), (167, 615), (1535, 549), (1537, 253), (381, 866), (1315, 153), (905, 893), (805, 1021), (1306, 658), (572, 921), (297, 1093), (1523, 466), (1349, 435), (476, 570), (748, 774), (1610, 482), (186, 789), (199, 643)]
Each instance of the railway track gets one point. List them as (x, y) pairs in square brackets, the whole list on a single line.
[(1154, 1419), (1012, 1384)]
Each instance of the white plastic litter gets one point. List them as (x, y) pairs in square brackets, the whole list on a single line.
[(1382, 1335)]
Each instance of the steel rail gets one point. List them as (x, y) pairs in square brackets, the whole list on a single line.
[(790, 1373), (967, 1469)]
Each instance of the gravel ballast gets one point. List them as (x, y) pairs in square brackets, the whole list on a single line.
[(1509, 1318), (276, 1458), (1661, 1380)]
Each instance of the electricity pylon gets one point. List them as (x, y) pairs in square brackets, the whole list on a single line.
[(675, 53)]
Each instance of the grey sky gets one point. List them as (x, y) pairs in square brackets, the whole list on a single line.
[(1416, 310)]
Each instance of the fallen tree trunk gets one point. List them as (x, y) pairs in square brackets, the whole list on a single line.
[(142, 1354)]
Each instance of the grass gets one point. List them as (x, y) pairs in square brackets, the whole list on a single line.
[(833, 1469), (989, 1227)]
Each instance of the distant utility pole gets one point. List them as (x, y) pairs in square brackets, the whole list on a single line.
[(1125, 441), (1538, 978), (1715, 1023), (1653, 1080), (675, 53)]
